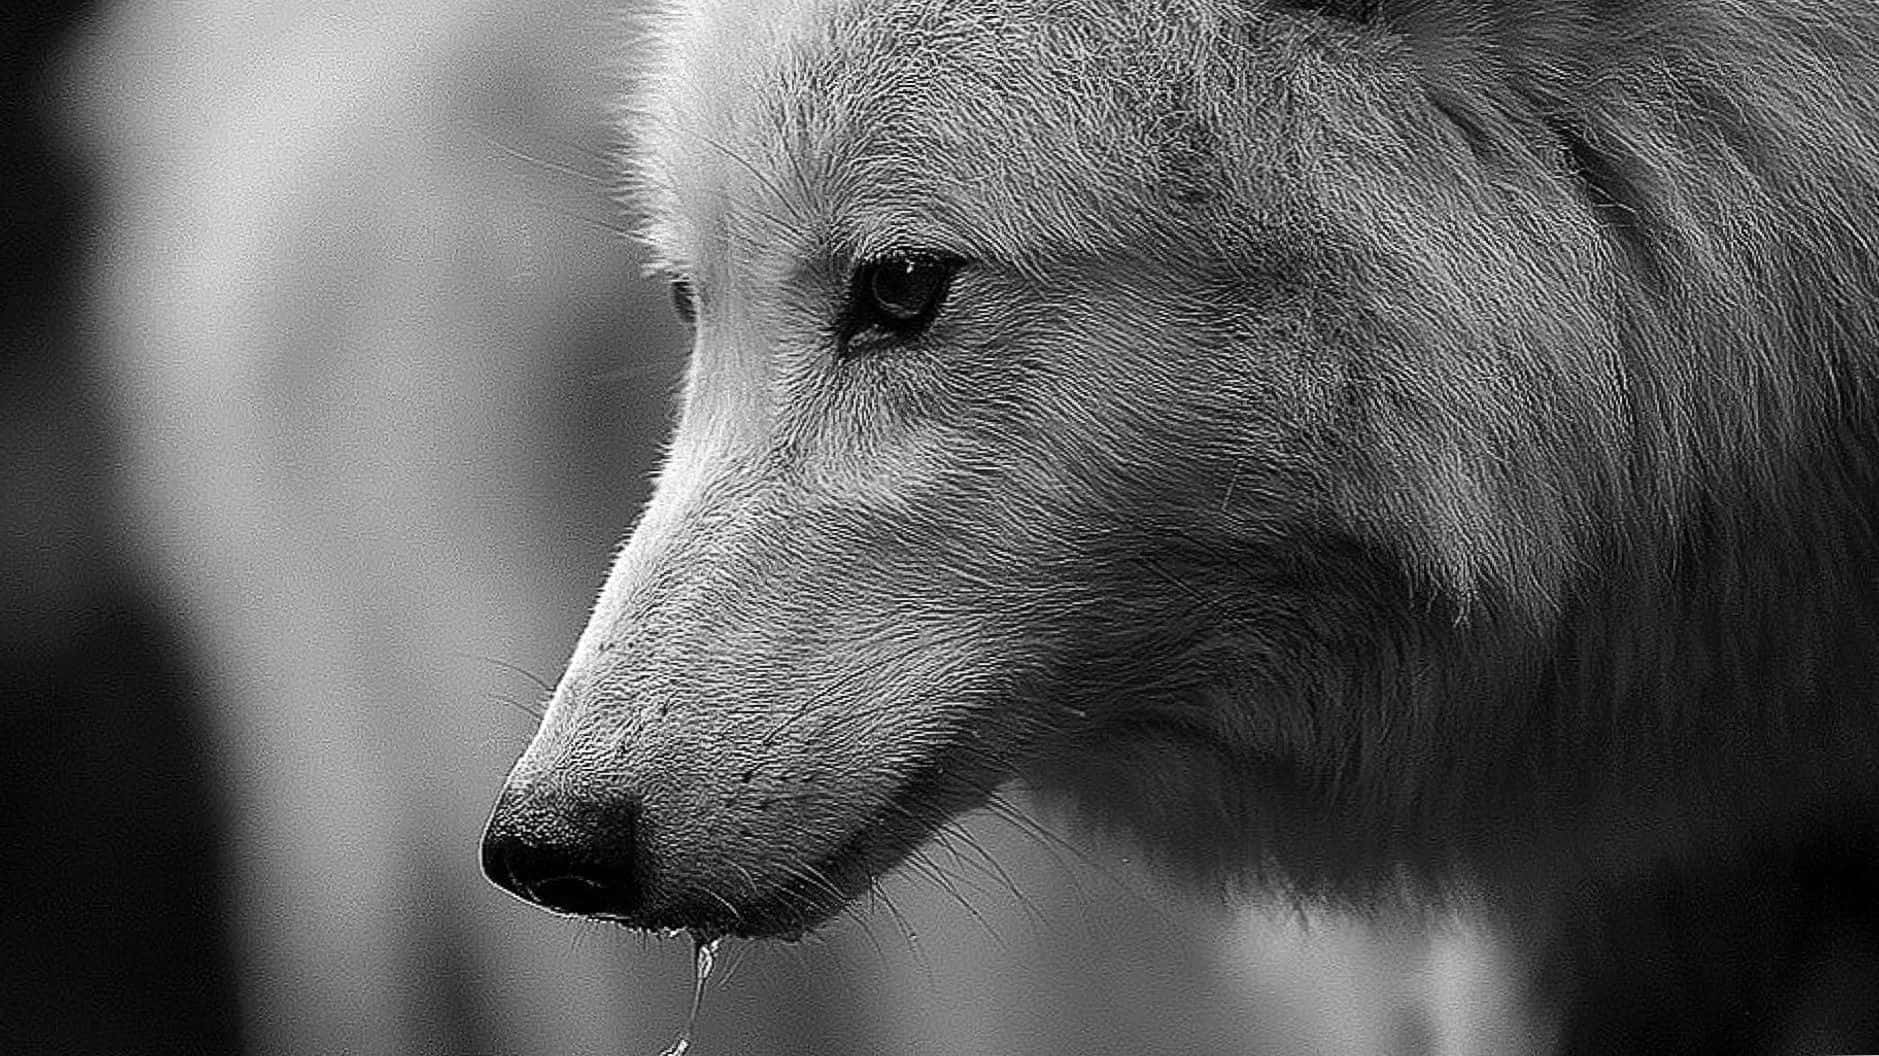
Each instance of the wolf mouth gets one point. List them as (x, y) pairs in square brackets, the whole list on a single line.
[(814, 893)]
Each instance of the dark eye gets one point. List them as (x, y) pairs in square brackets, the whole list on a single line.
[(900, 294), (685, 301)]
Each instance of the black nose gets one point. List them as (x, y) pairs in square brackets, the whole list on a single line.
[(568, 864)]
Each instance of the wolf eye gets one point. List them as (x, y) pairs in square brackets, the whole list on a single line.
[(900, 294), (685, 301)]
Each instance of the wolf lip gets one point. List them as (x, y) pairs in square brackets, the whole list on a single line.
[(816, 892)]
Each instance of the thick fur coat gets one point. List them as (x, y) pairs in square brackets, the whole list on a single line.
[(1387, 453)]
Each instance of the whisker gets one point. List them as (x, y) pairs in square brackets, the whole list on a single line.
[(559, 168), (533, 711), (796, 217), (949, 837), (925, 867), (540, 682)]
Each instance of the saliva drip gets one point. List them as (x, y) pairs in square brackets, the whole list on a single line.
[(701, 971)]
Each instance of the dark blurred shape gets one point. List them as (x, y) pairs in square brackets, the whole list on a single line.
[(37, 184), (111, 921), (1773, 953)]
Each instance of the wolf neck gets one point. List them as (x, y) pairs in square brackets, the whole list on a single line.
[(1734, 677), (1673, 707)]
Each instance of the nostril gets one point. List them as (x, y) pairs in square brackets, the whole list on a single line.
[(581, 893), (499, 848), (562, 872)]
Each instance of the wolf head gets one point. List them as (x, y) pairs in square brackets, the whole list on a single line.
[(1204, 410)]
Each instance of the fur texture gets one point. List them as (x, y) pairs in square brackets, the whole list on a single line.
[(1422, 446)]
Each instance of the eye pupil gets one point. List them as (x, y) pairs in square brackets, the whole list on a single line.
[(904, 288), (901, 294)]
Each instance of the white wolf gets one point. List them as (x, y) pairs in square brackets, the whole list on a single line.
[(1375, 450)]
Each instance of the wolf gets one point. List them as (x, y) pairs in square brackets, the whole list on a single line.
[(1398, 454)]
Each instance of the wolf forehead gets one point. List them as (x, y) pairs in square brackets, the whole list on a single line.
[(855, 127)]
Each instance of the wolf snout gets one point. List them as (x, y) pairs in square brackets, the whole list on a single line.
[(565, 856)]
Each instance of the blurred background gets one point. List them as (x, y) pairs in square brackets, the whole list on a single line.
[(328, 382)]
